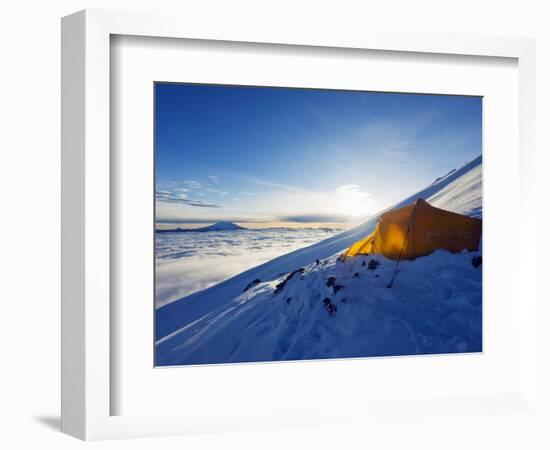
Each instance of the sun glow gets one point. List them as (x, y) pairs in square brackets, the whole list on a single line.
[(353, 202)]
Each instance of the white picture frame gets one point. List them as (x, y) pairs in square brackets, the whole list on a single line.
[(86, 247)]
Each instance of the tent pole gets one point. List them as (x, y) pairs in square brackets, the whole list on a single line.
[(390, 284)]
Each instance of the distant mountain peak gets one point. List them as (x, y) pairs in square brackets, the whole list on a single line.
[(218, 226), (221, 226)]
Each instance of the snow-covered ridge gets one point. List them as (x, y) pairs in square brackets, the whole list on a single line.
[(335, 309), (183, 321)]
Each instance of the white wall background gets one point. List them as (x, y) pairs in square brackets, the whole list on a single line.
[(30, 188)]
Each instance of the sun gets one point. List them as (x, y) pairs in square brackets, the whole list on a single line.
[(353, 202), (352, 205)]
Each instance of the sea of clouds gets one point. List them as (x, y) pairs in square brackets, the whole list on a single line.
[(190, 262)]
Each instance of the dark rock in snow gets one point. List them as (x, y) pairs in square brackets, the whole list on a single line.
[(251, 284), (331, 282), (289, 277), (329, 306), (363, 263), (356, 275), (373, 264), (476, 261), (288, 300)]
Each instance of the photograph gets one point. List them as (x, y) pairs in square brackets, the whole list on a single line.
[(298, 224)]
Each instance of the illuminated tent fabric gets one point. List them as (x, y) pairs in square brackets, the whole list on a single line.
[(418, 230)]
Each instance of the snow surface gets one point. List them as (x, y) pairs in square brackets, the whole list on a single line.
[(434, 305)]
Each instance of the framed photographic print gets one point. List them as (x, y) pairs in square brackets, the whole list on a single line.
[(283, 234), (267, 228)]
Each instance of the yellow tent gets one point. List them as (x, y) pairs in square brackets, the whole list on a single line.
[(418, 230)]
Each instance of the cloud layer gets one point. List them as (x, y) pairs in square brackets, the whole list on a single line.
[(190, 262)]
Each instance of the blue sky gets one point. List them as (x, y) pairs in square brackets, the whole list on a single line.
[(253, 154)]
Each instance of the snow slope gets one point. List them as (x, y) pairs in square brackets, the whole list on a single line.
[(434, 306)]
